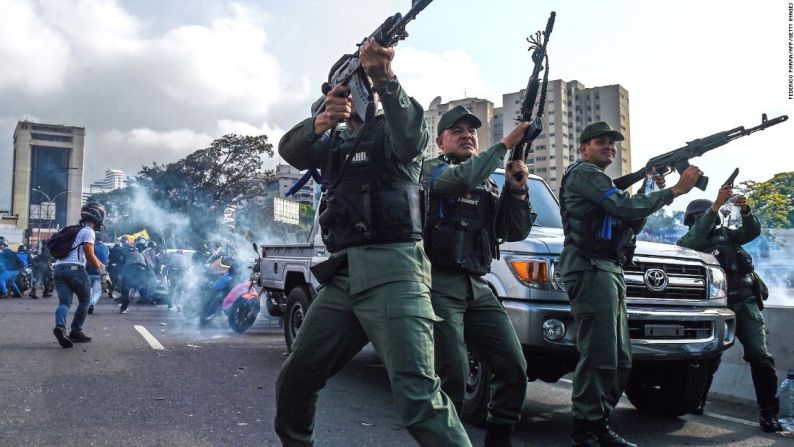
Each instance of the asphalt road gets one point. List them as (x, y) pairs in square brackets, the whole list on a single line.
[(212, 387)]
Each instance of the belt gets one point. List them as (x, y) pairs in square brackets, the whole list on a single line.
[(74, 267)]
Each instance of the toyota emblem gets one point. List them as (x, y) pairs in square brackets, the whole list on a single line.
[(655, 280)]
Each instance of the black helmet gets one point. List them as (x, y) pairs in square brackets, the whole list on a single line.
[(93, 212), (22, 248), (695, 209), (151, 244)]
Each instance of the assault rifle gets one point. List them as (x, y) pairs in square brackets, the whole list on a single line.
[(679, 159), (538, 44), (348, 71), (732, 178)]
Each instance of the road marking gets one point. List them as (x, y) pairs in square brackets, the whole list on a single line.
[(149, 338), (730, 419), (709, 414)]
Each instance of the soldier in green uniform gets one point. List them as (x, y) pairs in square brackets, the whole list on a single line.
[(376, 284), (461, 238), (744, 291), (600, 224)]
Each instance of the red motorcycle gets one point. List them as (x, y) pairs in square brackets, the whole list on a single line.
[(243, 303)]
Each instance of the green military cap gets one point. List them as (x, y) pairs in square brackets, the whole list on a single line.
[(598, 129), (455, 114)]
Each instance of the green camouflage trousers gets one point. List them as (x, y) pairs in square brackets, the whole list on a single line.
[(751, 332), (482, 324), (598, 304), (397, 317)]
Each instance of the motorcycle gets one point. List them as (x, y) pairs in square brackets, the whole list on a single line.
[(213, 300), (242, 304), (24, 279)]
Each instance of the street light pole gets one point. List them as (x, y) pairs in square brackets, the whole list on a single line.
[(50, 202)]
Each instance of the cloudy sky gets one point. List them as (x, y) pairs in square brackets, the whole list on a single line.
[(155, 80)]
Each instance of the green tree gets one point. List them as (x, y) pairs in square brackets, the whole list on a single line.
[(772, 200), (192, 192)]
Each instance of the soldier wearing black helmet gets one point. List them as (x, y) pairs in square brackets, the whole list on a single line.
[(71, 277), (745, 291)]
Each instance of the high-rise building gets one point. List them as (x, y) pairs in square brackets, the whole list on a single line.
[(481, 108), (570, 106), (286, 176), (47, 177), (114, 179)]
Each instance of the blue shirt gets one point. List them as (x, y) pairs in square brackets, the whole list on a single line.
[(102, 252)]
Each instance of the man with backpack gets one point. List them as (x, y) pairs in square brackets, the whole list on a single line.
[(72, 247)]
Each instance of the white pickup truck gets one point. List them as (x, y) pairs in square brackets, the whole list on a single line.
[(676, 297)]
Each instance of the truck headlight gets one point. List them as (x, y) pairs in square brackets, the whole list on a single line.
[(718, 283), (537, 272)]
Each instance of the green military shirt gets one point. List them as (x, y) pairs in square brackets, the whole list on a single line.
[(457, 180), (697, 236), (586, 188), (407, 137)]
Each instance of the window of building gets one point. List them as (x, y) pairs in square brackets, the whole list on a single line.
[(47, 137), (45, 128)]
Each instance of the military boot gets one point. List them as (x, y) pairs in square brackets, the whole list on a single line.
[(607, 437), (765, 382), (498, 435), (583, 434)]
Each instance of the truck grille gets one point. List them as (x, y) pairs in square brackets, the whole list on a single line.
[(670, 330), (665, 281)]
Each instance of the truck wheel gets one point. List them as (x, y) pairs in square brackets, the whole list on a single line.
[(297, 305), (477, 393), (669, 389)]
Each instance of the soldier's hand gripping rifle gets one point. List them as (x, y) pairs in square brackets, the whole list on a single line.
[(348, 71), (679, 159), (538, 45)]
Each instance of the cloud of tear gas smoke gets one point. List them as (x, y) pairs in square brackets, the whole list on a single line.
[(229, 240)]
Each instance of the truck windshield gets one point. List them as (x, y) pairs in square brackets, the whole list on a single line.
[(543, 201)]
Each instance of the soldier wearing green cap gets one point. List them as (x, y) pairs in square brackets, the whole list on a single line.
[(600, 223), (376, 284), (460, 235)]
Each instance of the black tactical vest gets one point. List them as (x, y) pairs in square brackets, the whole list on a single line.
[(460, 233), (364, 203), (737, 263), (597, 234)]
